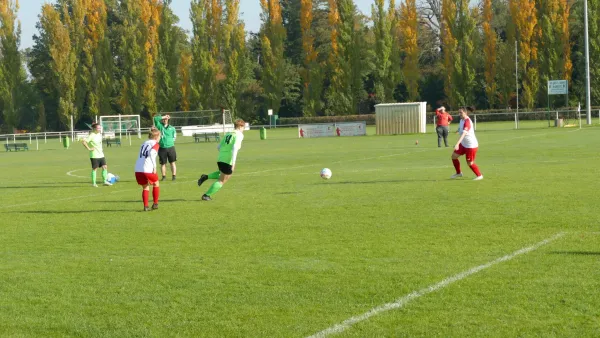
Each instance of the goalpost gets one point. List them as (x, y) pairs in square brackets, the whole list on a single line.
[(119, 124), (201, 121)]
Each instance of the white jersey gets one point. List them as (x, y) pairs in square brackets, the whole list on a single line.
[(470, 141), (146, 162)]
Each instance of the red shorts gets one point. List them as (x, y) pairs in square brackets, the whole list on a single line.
[(469, 153), (146, 178)]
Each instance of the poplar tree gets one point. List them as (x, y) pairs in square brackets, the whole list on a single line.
[(272, 39), (12, 75), (524, 16), (489, 50), (410, 65), (311, 71)]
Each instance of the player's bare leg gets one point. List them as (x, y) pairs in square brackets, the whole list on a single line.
[(173, 170), (163, 171)]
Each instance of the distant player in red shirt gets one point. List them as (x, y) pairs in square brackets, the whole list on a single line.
[(145, 169), (443, 119), (466, 145)]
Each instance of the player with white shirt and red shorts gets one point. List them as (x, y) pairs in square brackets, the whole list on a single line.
[(466, 145), (145, 169)]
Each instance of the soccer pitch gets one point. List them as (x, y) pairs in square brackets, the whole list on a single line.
[(390, 246)]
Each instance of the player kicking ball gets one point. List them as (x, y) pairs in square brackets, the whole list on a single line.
[(228, 149), (145, 169)]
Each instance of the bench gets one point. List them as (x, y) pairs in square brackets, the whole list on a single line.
[(15, 146), (206, 137), (111, 141)]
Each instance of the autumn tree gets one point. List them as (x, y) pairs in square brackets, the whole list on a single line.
[(489, 50), (311, 73), (524, 16), (408, 26), (272, 39), (12, 75), (63, 60), (458, 46), (383, 48), (234, 49)]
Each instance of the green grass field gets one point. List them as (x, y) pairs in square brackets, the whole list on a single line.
[(389, 247)]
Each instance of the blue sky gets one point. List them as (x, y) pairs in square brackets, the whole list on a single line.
[(249, 9)]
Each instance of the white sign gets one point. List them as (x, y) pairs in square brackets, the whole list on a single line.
[(351, 129), (332, 129), (556, 87), (270, 112), (315, 130)]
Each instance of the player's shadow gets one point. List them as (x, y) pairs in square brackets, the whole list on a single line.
[(140, 201), (376, 182), (59, 212), (576, 253), (34, 187)]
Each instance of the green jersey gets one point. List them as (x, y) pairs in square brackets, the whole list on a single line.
[(167, 134), (229, 147), (94, 141)]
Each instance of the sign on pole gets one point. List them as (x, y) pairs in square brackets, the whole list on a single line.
[(558, 87)]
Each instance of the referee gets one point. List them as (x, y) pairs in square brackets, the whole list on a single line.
[(166, 150)]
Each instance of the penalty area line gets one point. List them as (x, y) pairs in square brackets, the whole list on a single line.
[(401, 302)]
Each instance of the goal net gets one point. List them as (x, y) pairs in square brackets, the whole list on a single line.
[(117, 125), (201, 121)]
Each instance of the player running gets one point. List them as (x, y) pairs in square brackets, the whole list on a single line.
[(145, 169), (228, 149), (466, 145)]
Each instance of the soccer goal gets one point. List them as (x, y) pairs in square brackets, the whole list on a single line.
[(113, 125), (201, 121)]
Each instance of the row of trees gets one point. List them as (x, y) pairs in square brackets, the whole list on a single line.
[(311, 57)]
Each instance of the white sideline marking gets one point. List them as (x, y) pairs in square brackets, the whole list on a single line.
[(400, 302)]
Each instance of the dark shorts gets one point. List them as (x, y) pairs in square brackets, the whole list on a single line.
[(98, 162), (225, 168), (167, 154)]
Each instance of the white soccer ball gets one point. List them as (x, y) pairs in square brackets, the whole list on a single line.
[(112, 178), (326, 173)]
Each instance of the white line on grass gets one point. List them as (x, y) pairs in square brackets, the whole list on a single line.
[(70, 173), (400, 302)]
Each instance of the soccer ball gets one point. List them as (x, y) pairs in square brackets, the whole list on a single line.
[(326, 173), (112, 178)]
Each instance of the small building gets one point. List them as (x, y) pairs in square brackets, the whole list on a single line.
[(401, 118)]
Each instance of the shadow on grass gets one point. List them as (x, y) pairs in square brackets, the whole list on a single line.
[(376, 182), (58, 212), (140, 201), (577, 253), (35, 187)]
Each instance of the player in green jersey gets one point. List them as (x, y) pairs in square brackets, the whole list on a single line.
[(228, 150), (93, 143), (166, 152)]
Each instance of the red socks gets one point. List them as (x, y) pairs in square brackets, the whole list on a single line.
[(155, 193), (456, 166), (145, 194), (475, 169)]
